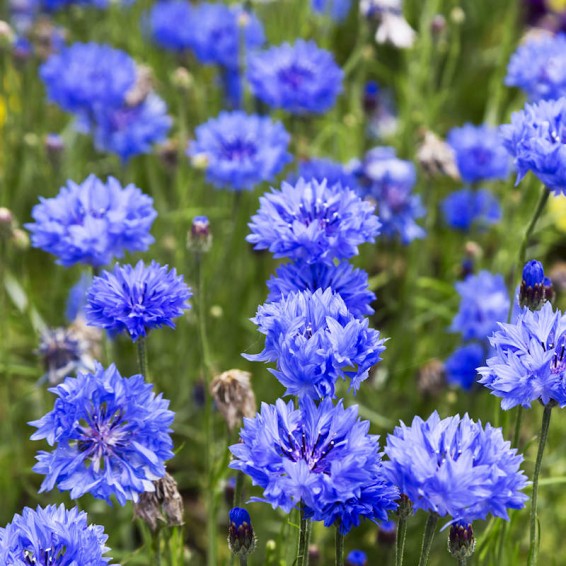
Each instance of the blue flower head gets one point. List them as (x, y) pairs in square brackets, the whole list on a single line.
[(299, 78), (390, 181), (93, 223), (86, 76), (480, 154), (529, 363), (321, 456), (460, 367), (484, 302), (313, 222), (216, 30), (533, 273), (326, 169), (52, 536), (455, 467), (240, 151), (538, 67), (315, 341), (356, 558), (536, 288), (171, 24), (111, 436), (136, 299), (536, 138), (345, 280), (337, 9), (131, 130), (466, 207)]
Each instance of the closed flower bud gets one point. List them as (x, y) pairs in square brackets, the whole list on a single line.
[(20, 239), (314, 555), (7, 223), (357, 558), (162, 507), (461, 541), (535, 289), (168, 153), (182, 79), (233, 395), (241, 537), (199, 239), (405, 508), (54, 146), (438, 25), (387, 533)]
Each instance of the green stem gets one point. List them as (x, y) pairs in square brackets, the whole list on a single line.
[(427, 538), (243, 561), (462, 561), (142, 357), (530, 228), (304, 535), (517, 431), (400, 543), (238, 489), (339, 547), (533, 550), (156, 547)]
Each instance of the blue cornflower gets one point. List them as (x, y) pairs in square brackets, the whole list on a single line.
[(240, 151), (480, 154), (350, 283), (484, 302), (111, 436), (52, 536), (321, 169), (313, 222), (460, 367), (337, 9), (529, 363), (321, 456), (86, 76), (463, 208), (299, 78), (136, 299), (537, 141), (59, 4), (216, 30), (171, 24), (455, 467), (131, 129), (538, 67), (315, 341), (389, 181), (356, 558), (93, 222)]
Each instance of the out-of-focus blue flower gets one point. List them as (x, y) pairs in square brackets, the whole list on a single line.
[(538, 67), (171, 24), (111, 436), (87, 76), (484, 302), (216, 33), (337, 9), (389, 181), (299, 78), (455, 467), (136, 299), (480, 154), (321, 456), (93, 222), (356, 558), (240, 151), (132, 130), (232, 84), (76, 300), (350, 283), (529, 362), (321, 169), (52, 536), (315, 341), (23, 14), (313, 222), (460, 367), (59, 4), (536, 139), (465, 207)]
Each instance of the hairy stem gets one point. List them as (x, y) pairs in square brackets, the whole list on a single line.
[(428, 537)]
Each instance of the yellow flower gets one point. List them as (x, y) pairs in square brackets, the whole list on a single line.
[(557, 207), (557, 5)]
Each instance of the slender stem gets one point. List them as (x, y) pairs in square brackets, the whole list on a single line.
[(533, 550), (530, 228), (304, 535), (517, 431), (462, 561), (238, 489), (243, 561), (339, 547), (427, 538), (142, 357), (157, 547), (400, 543)]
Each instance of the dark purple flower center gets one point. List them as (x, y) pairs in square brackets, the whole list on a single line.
[(48, 557), (101, 434), (295, 75), (558, 363), (238, 150), (481, 155), (298, 448)]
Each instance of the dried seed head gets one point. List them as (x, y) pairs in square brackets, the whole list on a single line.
[(162, 507), (436, 157), (234, 397), (431, 379)]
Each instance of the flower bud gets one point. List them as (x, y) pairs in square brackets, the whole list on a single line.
[(54, 146), (314, 555), (405, 508), (241, 537), (431, 378), (387, 533), (357, 558), (371, 97), (182, 79), (461, 541), (233, 395), (535, 289), (20, 239), (199, 239), (7, 223)]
